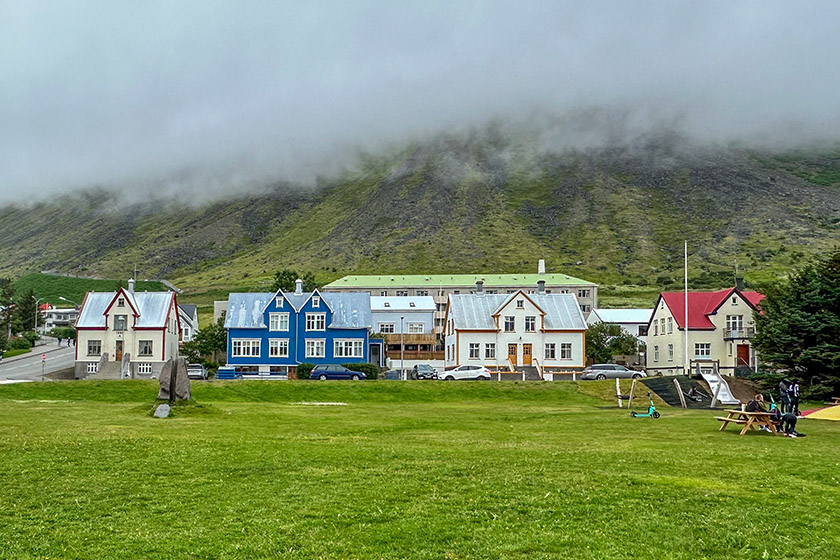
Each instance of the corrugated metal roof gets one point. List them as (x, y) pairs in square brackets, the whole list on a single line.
[(152, 306), (458, 280), (622, 315), (349, 311), (402, 303), (472, 311), (702, 304)]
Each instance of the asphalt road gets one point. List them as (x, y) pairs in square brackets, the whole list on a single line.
[(28, 366)]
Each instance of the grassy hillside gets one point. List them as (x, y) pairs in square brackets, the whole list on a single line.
[(50, 287), (480, 201)]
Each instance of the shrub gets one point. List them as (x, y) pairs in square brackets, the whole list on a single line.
[(370, 370), (304, 369), (18, 343), (32, 337)]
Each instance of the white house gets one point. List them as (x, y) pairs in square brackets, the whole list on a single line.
[(188, 315), (54, 318), (631, 321), (518, 330), (126, 334), (407, 325)]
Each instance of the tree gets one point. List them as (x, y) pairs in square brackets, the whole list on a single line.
[(798, 329), (208, 341), (7, 294), (605, 340), (27, 307), (285, 280)]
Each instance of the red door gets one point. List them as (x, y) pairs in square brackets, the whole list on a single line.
[(743, 355)]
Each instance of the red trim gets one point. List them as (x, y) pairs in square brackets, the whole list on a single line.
[(127, 300), (701, 305), (148, 328), (91, 328)]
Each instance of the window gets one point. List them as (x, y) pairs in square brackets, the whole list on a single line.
[(456, 291), (386, 328), (144, 368), (474, 350), (422, 292), (245, 347), (94, 348), (550, 351), (734, 301), (670, 325), (383, 293), (490, 351), (565, 350), (655, 327), (316, 301), (702, 350), (439, 322), (415, 328), (412, 304), (670, 352), (315, 348), (530, 324), (348, 348), (144, 348), (278, 302), (520, 304), (510, 323), (92, 367), (643, 330), (278, 348), (120, 322), (278, 321), (583, 293), (662, 325), (387, 304), (656, 353), (402, 293), (316, 321), (730, 348), (121, 302), (734, 322), (440, 306), (585, 308)]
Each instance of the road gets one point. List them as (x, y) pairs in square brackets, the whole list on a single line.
[(28, 366)]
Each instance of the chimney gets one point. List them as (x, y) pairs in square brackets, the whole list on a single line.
[(739, 283), (541, 287), (131, 285), (479, 287), (298, 287), (541, 267)]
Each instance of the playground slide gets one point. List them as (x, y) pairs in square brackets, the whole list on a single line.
[(725, 395)]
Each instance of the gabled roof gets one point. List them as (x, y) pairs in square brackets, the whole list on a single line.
[(703, 304), (620, 316), (349, 310), (475, 312), (402, 303), (188, 309), (152, 308), (297, 301)]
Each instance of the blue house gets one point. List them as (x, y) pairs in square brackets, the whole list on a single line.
[(272, 333)]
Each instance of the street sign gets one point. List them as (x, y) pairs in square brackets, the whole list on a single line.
[(43, 357)]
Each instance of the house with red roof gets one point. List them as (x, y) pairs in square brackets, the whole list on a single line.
[(720, 328)]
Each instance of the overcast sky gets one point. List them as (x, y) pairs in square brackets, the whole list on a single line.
[(219, 95)]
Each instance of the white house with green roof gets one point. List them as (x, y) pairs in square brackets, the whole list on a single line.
[(440, 286)]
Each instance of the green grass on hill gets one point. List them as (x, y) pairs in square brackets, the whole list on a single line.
[(50, 287), (403, 470)]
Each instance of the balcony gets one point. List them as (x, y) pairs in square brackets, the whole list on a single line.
[(729, 334)]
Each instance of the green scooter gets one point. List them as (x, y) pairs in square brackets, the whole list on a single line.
[(651, 413)]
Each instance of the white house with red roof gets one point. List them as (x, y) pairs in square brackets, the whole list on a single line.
[(720, 328), (126, 333)]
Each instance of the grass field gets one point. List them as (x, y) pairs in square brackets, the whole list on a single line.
[(403, 470)]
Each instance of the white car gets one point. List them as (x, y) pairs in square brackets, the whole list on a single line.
[(480, 373)]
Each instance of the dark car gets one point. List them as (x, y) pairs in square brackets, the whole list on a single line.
[(610, 371), (325, 372), (424, 371)]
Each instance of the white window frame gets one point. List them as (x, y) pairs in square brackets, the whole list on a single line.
[(278, 302), (565, 350), (92, 367), (415, 328), (276, 347), (349, 348), (316, 322), (97, 342), (313, 345), (120, 319), (489, 350), (702, 350), (387, 328), (670, 325), (670, 352), (316, 302), (533, 320), (144, 368), (245, 347), (275, 324), (734, 322), (151, 345), (550, 351), (512, 320), (474, 350), (520, 304), (656, 353)]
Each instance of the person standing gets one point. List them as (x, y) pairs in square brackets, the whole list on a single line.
[(783, 395), (793, 397)]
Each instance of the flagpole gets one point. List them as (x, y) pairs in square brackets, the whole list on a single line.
[(685, 286)]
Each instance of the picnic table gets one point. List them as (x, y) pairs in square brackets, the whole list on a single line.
[(750, 420)]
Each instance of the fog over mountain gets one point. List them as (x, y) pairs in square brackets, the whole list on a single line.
[(207, 97)]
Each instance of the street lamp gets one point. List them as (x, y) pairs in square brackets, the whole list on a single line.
[(62, 298), (37, 301)]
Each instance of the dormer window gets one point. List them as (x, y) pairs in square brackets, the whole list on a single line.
[(316, 301), (121, 302), (520, 304), (279, 302), (387, 304), (412, 304)]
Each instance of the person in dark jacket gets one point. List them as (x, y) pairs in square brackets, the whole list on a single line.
[(783, 395), (793, 396)]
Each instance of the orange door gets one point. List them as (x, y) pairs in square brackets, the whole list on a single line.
[(526, 354), (119, 351), (512, 353)]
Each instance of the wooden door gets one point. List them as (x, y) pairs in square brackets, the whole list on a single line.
[(526, 354), (743, 355), (119, 351), (512, 354)]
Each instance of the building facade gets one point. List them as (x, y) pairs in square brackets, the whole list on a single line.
[(126, 334), (272, 333), (507, 331), (720, 328), (407, 326)]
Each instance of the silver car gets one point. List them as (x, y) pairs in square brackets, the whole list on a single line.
[(610, 371)]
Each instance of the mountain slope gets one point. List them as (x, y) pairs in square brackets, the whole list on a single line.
[(479, 201)]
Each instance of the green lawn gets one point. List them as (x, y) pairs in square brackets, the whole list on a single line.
[(404, 470)]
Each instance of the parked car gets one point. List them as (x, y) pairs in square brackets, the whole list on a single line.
[(324, 372), (466, 372), (196, 371), (610, 371), (424, 371)]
